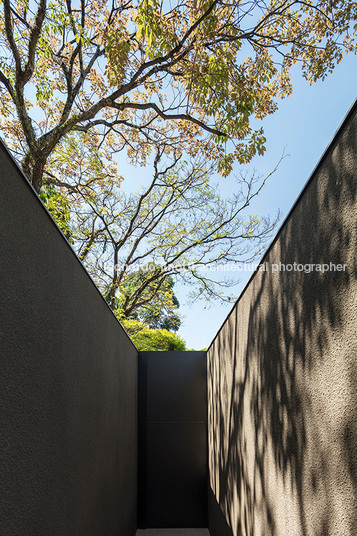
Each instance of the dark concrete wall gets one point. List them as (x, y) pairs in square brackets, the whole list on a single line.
[(173, 440), (282, 374), (68, 384)]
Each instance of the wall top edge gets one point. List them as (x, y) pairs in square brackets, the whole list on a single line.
[(329, 148), (34, 193)]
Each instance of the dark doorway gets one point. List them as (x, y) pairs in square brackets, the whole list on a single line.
[(172, 440)]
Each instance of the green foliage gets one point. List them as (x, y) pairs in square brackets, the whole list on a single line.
[(154, 29), (82, 82), (176, 228), (171, 322), (59, 208), (150, 322), (196, 75), (146, 339), (149, 299)]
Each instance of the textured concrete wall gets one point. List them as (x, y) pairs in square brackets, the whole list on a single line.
[(68, 384), (282, 374)]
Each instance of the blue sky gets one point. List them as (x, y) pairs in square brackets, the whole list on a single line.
[(304, 125)]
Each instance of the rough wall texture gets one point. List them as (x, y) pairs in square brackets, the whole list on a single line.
[(68, 384), (282, 374)]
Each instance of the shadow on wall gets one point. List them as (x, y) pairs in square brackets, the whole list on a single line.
[(282, 375)]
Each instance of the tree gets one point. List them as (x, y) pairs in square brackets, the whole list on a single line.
[(151, 322), (59, 208), (177, 226), (146, 339), (157, 302), (128, 74)]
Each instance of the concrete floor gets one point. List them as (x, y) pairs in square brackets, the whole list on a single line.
[(173, 532)]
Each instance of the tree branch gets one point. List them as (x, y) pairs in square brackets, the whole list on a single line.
[(8, 85), (10, 36), (34, 35)]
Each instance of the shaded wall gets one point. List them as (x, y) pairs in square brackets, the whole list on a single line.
[(68, 384), (282, 374), (172, 440)]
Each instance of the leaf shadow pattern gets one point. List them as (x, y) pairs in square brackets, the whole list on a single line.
[(282, 373)]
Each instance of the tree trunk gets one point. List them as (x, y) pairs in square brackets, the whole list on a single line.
[(33, 169)]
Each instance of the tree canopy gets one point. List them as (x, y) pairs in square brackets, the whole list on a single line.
[(126, 74), (146, 339), (180, 86), (153, 303), (153, 319), (178, 225)]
